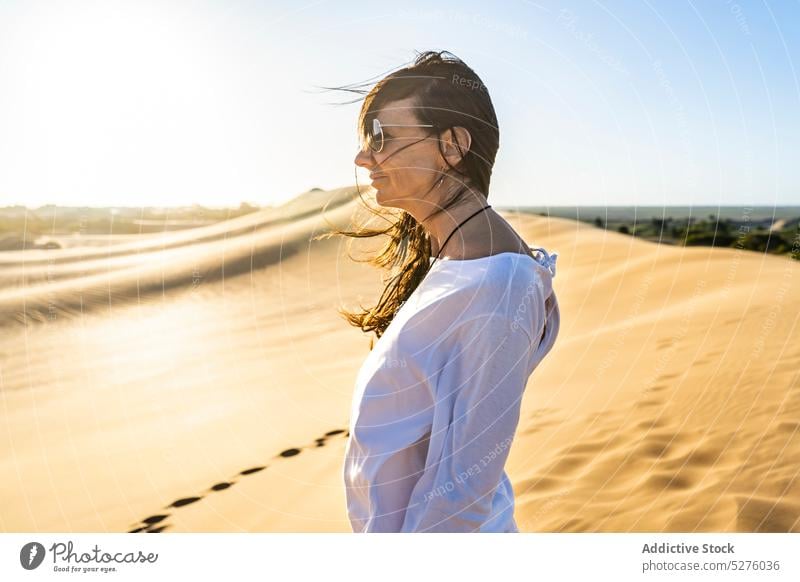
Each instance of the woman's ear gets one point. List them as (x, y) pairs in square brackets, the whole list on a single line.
[(456, 142)]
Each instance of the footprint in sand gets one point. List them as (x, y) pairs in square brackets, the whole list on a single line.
[(789, 426), (649, 424), (649, 402), (539, 422), (151, 524), (766, 514), (654, 398)]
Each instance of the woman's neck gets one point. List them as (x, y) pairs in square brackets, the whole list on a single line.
[(441, 224)]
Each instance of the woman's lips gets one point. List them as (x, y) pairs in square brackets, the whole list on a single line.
[(374, 177)]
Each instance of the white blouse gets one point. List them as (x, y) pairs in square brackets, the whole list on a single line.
[(437, 400)]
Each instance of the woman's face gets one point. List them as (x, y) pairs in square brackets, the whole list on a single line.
[(402, 178)]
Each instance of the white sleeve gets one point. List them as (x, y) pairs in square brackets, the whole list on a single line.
[(478, 397)]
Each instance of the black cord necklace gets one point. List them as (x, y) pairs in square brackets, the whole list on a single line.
[(455, 229)]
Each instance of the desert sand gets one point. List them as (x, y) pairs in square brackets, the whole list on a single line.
[(200, 381)]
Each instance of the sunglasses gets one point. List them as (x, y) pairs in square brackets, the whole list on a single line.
[(376, 138)]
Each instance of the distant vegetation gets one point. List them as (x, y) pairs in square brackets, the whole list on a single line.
[(715, 232), (774, 230)]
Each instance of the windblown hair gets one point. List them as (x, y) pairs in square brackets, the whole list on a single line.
[(446, 93)]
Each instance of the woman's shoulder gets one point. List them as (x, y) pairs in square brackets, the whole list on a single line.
[(515, 273), (494, 285), (483, 298)]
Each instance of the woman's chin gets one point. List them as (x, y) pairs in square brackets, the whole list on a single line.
[(386, 196), (382, 197)]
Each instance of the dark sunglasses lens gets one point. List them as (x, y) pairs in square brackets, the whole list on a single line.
[(375, 141)]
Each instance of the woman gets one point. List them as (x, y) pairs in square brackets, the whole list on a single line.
[(467, 316)]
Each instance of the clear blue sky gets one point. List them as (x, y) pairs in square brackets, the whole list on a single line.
[(159, 102)]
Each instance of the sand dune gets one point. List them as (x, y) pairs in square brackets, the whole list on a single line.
[(74, 280), (201, 381)]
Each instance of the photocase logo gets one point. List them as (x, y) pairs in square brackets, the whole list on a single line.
[(67, 559), (31, 555)]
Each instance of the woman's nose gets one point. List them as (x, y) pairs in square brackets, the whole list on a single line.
[(364, 159)]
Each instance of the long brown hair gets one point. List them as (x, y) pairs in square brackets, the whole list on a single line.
[(447, 93)]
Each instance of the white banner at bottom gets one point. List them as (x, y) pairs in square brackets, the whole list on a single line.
[(389, 557)]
